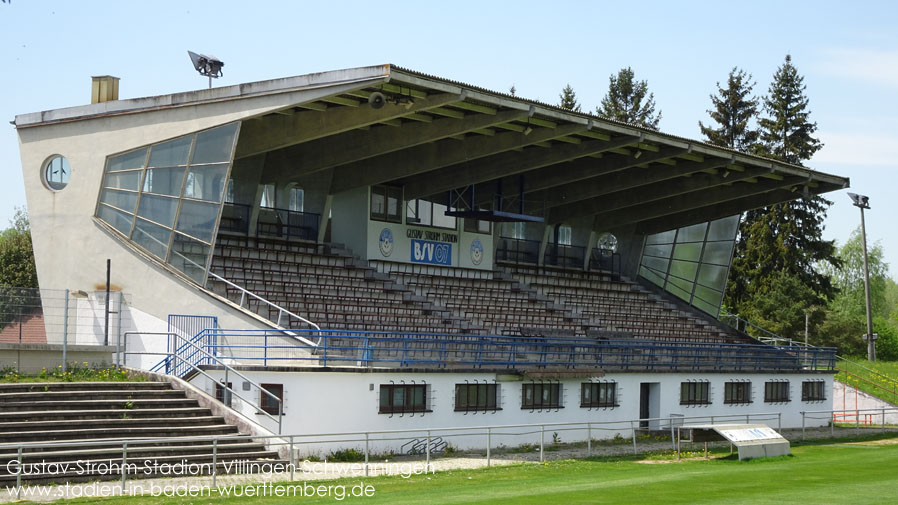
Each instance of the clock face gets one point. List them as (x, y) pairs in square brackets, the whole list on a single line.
[(56, 173)]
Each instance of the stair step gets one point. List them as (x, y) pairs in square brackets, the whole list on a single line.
[(44, 415), (105, 394), (170, 422), (137, 404), (139, 432), (34, 387)]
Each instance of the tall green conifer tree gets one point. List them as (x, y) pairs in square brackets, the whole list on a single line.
[(781, 246)]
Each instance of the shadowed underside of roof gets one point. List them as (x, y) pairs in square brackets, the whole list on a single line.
[(434, 136)]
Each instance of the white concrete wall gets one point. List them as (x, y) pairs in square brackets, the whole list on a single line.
[(335, 402), (847, 397)]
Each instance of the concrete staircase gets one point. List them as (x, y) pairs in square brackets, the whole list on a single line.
[(97, 416)]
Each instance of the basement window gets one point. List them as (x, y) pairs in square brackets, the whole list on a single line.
[(476, 397), (813, 391), (403, 398), (776, 392), (737, 392), (269, 404), (695, 393), (598, 395), (539, 396), (222, 393)]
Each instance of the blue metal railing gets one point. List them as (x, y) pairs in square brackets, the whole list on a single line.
[(189, 350), (402, 350)]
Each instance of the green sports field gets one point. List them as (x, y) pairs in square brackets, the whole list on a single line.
[(850, 472)]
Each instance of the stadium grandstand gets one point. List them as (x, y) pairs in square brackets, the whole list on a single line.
[(382, 249)]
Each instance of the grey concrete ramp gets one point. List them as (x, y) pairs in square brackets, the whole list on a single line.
[(752, 440)]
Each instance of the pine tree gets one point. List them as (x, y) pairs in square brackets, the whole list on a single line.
[(512, 90), (629, 100), (783, 244), (734, 108), (568, 99)]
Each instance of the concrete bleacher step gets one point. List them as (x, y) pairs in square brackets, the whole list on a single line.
[(96, 417)]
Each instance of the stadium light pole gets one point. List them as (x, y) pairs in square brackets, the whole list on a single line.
[(862, 202)]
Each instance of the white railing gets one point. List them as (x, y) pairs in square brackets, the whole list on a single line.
[(281, 311)]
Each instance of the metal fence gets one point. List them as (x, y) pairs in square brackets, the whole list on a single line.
[(61, 316)]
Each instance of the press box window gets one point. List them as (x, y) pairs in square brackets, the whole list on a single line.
[(598, 395), (385, 203), (476, 397), (737, 392), (776, 392), (695, 393), (812, 391), (477, 226), (403, 398), (540, 396), (269, 404)]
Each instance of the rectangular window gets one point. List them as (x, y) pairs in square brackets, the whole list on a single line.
[(385, 204), (737, 392), (425, 213), (269, 404), (476, 397), (297, 199), (598, 395), (812, 391), (223, 394), (776, 392), (538, 396), (477, 226), (403, 398), (564, 235), (695, 393)]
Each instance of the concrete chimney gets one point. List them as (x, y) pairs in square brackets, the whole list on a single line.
[(104, 88)]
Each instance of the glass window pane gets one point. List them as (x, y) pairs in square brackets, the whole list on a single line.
[(709, 295), (206, 182), (123, 200), (440, 218), (713, 276), (658, 264), (651, 276), (151, 237), (171, 153), (718, 253), (115, 218), (694, 233), (164, 181), (127, 161), (691, 252), (665, 237), (724, 229), (198, 219), (123, 180), (683, 269), (189, 256), (159, 209), (662, 251), (214, 145), (673, 282)]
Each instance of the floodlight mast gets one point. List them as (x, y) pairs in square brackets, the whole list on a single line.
[(206, 65), (862, 202)]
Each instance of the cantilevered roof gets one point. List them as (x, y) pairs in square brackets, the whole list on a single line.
[(434, 135)]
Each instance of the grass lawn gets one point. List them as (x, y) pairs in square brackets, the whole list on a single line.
[(879, 378), (856, 473)]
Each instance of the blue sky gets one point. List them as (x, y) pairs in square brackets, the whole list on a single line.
[(847, 51)]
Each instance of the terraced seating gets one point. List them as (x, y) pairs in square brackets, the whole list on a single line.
[(329, 287), (620, 308), (498, 305), (97, 416)]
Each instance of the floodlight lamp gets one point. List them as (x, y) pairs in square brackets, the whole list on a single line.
[(206, 65), (637, 154), (860, 201)]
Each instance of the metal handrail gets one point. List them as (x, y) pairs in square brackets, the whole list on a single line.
[(771, 337), (281, 311), (360, 348), (227, 370)]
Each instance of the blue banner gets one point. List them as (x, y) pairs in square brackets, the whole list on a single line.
[(434, 253)]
